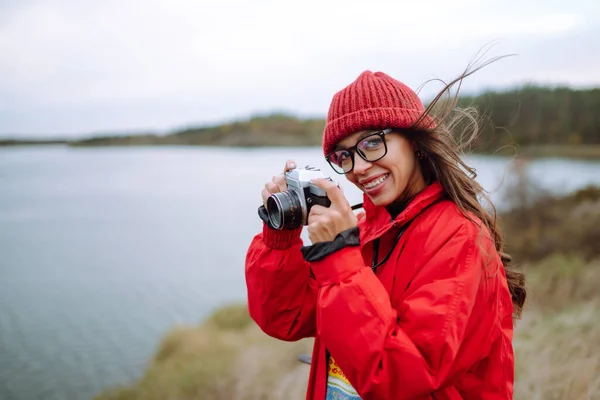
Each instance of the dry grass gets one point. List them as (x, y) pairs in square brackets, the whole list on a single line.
[(541, 225), (557, 343), (227, 357), (558, 355)]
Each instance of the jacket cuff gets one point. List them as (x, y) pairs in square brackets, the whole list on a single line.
[(281, 239), (339, 266), (318, 251), (278, 239)]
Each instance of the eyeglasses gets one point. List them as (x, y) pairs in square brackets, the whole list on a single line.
[(370, 148)]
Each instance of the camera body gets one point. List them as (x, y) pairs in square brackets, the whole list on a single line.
[(290, 209)]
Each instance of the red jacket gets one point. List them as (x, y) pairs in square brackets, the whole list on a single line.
[(435, 322)]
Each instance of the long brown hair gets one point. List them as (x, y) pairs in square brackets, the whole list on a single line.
[(442, 145)]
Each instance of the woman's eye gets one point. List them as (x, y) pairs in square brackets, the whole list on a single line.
[(371, 143), (340, 157)]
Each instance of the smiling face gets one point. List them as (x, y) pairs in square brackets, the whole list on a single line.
[(394, 178)]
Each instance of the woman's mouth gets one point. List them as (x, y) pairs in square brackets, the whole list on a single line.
[(375, 183)]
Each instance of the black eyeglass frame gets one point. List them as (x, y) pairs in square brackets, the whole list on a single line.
[(354, 150)]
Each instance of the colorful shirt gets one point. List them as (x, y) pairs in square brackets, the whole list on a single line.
[(338, 386)]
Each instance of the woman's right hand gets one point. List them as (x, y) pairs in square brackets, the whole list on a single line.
[(277, 184)]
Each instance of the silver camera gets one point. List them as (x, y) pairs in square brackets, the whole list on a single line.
[(290, 209)]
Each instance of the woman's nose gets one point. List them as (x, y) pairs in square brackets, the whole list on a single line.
[(360, 165)]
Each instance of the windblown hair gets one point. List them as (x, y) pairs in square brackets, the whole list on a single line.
[(443, 144)]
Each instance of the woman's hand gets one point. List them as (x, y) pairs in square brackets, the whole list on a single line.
[(277, 184), (325, 223)]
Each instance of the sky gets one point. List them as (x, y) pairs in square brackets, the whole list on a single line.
[(76, 68)]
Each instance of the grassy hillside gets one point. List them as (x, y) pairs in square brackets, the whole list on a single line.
[(267, 130), (31, 142)]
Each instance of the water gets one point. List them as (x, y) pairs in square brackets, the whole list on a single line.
[(104, 250)]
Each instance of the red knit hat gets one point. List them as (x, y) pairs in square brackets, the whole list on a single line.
[(372, 101)]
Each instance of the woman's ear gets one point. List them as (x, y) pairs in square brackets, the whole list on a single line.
[(414, 145)]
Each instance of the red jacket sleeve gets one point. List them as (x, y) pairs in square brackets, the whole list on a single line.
[(417, 348), (282, 292)]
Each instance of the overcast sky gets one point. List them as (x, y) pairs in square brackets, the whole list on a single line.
[(76, 68)]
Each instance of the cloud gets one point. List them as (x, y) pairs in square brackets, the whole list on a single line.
[(116, 62)]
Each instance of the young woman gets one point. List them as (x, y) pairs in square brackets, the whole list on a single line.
[(414, 297)]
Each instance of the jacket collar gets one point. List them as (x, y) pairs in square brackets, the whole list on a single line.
[(378, 220)]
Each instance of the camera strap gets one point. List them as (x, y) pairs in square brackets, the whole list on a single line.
[(357, 206), (376, 264)]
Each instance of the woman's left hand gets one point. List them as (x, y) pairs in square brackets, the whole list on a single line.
[(325, 223)]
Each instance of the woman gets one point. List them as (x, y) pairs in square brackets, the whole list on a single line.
[(411, 299)]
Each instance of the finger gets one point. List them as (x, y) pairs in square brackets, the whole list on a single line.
[(272, 187), (333, 192), (289, 165), (317, 219), (318, 210), (279, 181), (265, 195)]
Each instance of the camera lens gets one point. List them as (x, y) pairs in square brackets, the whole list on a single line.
[(284, 210)]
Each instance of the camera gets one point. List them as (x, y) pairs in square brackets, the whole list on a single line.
[(290, 209)]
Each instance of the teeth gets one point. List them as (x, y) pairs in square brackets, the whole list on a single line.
[(376, 182)]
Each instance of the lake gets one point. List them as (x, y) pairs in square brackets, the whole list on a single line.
[(103, 250)]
